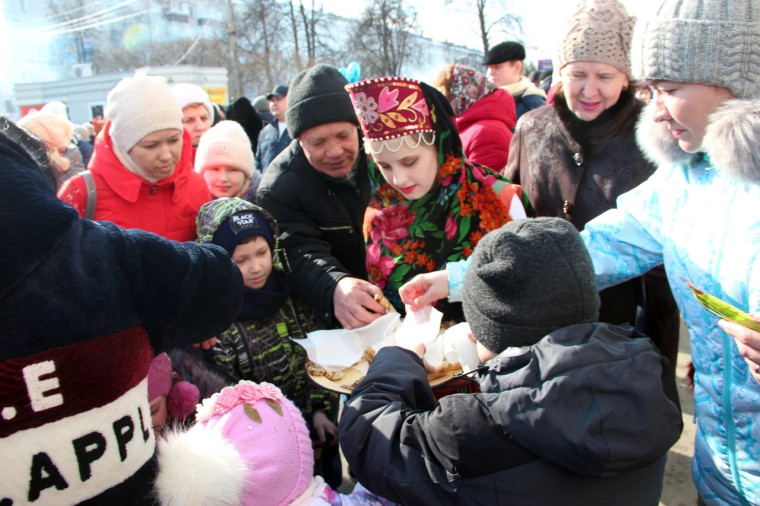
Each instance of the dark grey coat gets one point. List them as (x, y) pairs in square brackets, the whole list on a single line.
[(320, 220), (581, 418)]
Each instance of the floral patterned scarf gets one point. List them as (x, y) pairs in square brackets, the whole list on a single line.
[(467, 87), (409, 237)]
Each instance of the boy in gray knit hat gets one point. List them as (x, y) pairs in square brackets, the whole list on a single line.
[(571, 411)]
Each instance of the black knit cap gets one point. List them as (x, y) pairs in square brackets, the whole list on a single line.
[(506, 51), (317, 96), (527, 279)]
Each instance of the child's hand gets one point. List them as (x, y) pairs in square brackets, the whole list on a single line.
[(419, 349), (327, 432)]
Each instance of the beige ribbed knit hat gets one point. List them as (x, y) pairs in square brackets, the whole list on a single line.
[(138, 106), (225, 145), (599, 31), (714, 42)]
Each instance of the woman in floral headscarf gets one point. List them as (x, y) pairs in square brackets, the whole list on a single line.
[(429, 206), (485, 114)]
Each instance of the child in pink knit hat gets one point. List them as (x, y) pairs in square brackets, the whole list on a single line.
[(250, 446)]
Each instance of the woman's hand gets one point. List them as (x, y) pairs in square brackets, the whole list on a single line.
[(424, 289), (748, 343)]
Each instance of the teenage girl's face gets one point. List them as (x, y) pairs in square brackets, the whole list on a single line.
[(225, 181), (685, 107), (157, 154), (410, 170), (591, 87), (254, 259)]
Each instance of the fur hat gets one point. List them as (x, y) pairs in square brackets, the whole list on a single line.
[(527, 279), (599, 31), (317, 96), (714, 42), (225, 144), (250, 446), (506, 51), (189, 94), (138, 106)]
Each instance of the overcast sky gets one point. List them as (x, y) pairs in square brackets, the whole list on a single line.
[(542, 20)]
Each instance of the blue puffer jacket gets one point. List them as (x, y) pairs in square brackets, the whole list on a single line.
[(703, 223)]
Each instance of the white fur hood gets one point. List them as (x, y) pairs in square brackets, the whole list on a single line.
[(732, 139)]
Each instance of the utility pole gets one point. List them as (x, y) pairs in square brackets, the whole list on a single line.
[(235, 83)]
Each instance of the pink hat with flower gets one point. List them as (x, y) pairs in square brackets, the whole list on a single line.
[(250, 446), (390, 107)]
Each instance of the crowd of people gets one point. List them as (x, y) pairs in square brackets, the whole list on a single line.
[(157, 276)]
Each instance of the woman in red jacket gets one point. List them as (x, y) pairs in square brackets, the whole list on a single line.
[(142, 164), (485, 114)]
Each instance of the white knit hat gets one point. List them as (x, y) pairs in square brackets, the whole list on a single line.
[(713, 42), (188, 94), (138, 106), (225, 144)]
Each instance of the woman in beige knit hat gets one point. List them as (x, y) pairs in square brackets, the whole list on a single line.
[(141, 169), (575, 156)]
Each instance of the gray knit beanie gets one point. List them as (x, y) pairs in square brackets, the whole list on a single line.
[(527, 279), (599, 31), (317, 96), (714, 42)]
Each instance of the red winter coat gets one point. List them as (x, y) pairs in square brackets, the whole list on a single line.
[(167, 208), (486, 129)]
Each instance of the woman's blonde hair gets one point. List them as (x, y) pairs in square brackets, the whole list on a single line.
[(54, 131)]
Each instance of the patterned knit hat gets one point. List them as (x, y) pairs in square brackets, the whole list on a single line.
[(250, 446), (316, 97), (138, 106), (390, 107), (599, 31), (713, 42), (225, 145), (527, 279)]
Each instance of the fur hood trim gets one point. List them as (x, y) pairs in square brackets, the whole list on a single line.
[(199, 467), (732, 139)]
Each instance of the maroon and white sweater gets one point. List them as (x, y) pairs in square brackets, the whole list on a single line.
[(84, 307)]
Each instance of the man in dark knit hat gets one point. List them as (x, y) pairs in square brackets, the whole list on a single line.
[(317, 189), (506, 69), (571, 411)]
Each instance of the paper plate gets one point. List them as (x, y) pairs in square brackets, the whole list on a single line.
[(359, 370)]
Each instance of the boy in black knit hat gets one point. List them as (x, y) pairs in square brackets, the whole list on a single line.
[(570, 410)]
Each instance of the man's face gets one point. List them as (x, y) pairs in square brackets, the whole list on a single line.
[(505, 73), (196, 120), (331, 148), (278, 107), (685, 108)]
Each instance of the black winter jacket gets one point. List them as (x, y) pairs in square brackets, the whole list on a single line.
[(320, 220), (581, 418)]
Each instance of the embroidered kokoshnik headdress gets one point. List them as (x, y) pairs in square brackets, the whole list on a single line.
[(392, 108)]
